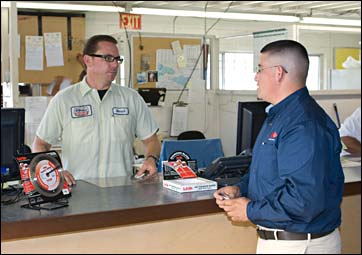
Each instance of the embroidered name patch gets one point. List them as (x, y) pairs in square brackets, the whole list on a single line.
[(120, 110), (81, 111)]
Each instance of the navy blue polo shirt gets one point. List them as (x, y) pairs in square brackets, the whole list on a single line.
[(296, 179)]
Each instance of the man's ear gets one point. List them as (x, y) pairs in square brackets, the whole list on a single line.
[(279, 73), (87, 59)]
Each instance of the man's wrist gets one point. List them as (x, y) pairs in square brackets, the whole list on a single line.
[(153, 157)]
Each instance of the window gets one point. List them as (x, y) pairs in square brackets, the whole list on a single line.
[(313, 79), (236, 71)]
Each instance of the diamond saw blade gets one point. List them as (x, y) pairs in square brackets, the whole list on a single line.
[(46, 175)]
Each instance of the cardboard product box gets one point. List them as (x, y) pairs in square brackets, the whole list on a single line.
[(190, 184), (180, 177), (176, 169)]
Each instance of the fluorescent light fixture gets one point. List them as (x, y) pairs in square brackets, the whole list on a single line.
[(337, 22), (72, 7), (184, 13), (330, 28), (216, 15), (235, 36)]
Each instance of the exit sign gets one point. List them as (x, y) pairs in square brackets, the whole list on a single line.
[(130, 21)]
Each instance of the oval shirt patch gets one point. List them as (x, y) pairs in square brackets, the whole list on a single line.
[(120, 111), (81, 111)]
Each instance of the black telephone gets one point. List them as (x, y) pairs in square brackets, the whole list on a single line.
[(227, 171)]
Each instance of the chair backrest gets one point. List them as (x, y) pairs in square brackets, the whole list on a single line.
[(202, 150), (191, 135)]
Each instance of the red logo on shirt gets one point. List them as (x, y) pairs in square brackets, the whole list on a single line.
[(274, 135)]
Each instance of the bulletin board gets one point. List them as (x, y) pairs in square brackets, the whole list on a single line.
[(147, 46), (341, 54), (73, 38)]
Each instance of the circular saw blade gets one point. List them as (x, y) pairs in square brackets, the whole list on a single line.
[(46, 175)]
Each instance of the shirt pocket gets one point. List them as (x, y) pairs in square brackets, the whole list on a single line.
[(267, 162), (121, 129), (82, 129)]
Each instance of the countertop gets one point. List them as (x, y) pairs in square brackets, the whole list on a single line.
[(118, 201), (101, 203)]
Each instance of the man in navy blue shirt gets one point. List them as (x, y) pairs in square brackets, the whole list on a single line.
[(294, 187)]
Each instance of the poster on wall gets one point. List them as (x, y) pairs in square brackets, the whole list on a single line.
[(262, 38), (170, 75)]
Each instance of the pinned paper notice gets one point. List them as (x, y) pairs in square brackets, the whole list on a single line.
[(53, 49), (181, 60), (34, 52)]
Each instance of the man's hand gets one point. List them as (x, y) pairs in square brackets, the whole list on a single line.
[(68, 177), (230, 191), (152, 147), (235, 206), (149, 168)]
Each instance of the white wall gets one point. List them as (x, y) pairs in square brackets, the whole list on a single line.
[(217, 116)]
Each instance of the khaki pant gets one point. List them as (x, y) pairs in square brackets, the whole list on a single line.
[(329, 244)]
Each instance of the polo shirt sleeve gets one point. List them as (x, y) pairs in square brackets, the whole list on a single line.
[(352, 125), (51, 125), (243, 185)]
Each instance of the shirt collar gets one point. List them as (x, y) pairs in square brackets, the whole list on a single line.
[(85, 89), (286, 102)]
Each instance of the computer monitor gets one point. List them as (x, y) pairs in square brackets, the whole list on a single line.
[(12, 142), (153, 96), (251, 116)]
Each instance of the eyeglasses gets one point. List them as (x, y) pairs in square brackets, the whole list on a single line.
[(259, 69), (108, 58)]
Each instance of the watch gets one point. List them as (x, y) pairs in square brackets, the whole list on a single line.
[(154, 157)]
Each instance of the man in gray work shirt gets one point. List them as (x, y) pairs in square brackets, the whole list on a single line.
[(97, 121)]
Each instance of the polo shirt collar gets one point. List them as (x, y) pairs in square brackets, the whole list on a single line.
[(85, 89), (289, 100)]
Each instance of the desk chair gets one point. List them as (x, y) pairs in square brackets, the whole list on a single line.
[(191, 135), (202, 150)]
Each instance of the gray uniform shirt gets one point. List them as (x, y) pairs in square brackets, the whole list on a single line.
[(96, 136)]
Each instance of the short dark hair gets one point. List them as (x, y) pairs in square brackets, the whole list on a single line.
[(292, 47), (91, 45)]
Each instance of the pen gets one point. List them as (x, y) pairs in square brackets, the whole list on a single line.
[(337, 115)]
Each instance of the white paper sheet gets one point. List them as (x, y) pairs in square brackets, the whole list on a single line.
[(34, 52), (196, 92), (53, 49), (35, 108)]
